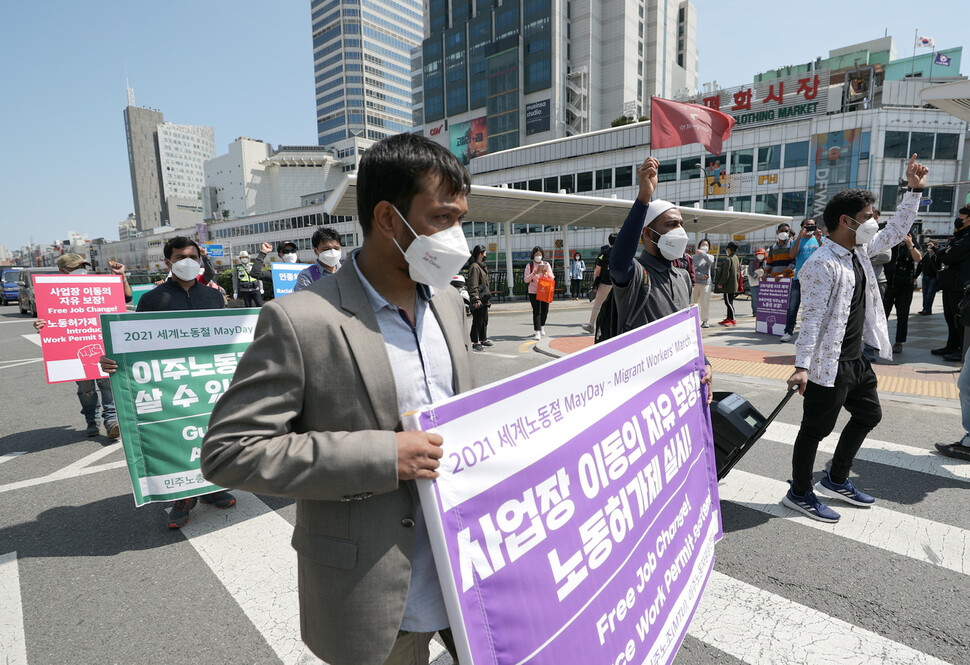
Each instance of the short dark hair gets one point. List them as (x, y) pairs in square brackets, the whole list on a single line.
[(876, 212), (965, 210), (807, 221), (784, 225), (847, 202), (323, 234), (536, 250), (732, 246), (478, 249), (179, 242), (612, 239), (393, 170)]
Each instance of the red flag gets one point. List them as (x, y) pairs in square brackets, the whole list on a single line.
[(676, 123)]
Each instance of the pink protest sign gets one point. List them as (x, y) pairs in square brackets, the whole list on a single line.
[(71, 304)]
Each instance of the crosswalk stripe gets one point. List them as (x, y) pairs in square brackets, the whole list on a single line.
[(10, 456), (13, 645), (745, 621), (35, 338), (897, 455), (248, 549), (915, 537)]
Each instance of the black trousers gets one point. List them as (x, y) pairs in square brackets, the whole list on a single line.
[(540, 310), (479, 324), (575, 287), (951, 302), (902, 298), (729, 303), (855, 389), (252, 298)]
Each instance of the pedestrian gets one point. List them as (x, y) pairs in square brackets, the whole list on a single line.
[(576, 269), (805, 244), (961, 449), (537, 269), (703, 262), (900, 286), (651, 286), (182, 291), (953, 279), (480, 298), (928, 270), (87, 389), (842, 307), (286, 251), (248, 284), (756, 272), (602, 282), (314, 410), (327, 247), (779, 255), (726, 282)]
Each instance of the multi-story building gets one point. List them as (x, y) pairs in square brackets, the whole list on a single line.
[(128, 227), (252, 178), (499, 75), (362, 69), (166, 167)]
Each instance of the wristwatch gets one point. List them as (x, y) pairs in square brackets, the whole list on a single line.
[(915, 189)]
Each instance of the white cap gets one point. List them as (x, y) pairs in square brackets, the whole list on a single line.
[(243, 253), (657, 208)]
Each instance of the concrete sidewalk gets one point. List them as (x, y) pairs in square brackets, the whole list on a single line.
[(742, 351)]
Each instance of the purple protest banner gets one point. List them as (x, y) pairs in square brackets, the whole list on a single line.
[(576, 513), (772, 306)]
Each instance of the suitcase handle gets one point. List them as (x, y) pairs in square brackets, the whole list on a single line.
[(781, 405)]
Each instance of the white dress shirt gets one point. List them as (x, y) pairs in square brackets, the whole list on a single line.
[(827, 281)]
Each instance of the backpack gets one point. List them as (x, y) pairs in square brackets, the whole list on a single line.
[(608, 323)]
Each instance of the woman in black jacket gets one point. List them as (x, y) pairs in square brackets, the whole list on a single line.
[(480, 299)]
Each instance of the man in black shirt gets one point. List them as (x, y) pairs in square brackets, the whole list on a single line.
[(179, 292), (602, 282)]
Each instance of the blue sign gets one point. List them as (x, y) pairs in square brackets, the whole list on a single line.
[(925, 202), (284, 277), (214, 251), (942, 60)]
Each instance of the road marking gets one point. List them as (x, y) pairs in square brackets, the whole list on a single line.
[(17, 321), (497, 355), (35, 338), (248, 549), (20, 360), (18, 364), (13, 645), (524, 347), (883, 452), (10, 456), (757, 626), (74, 470), (921, 539)]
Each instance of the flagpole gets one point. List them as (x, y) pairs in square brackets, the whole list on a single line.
[(912, 68), (932, 60)]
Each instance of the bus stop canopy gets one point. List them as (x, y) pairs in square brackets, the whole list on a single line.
[(954, 98), (516, 206)]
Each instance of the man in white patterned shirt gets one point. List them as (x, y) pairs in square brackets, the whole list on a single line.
[(842, 310)]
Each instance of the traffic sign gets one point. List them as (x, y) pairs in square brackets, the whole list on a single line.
[(925, 202), (213, 250)]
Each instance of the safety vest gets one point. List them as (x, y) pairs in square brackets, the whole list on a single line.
[(245, 279)]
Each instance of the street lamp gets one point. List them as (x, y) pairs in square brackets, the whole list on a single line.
[(700, 165)]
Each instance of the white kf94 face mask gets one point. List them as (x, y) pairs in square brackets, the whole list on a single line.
[(866, 231), (186, 269), (673, 243), (436, 259), (329, 257)]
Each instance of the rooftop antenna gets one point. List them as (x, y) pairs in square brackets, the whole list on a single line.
[(131, 93)]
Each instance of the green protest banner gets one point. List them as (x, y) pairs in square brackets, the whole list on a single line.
[(172, 368)]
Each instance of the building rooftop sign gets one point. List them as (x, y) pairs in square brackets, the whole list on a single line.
[(777, 100)]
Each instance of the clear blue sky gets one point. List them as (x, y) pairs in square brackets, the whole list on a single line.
[(245, 68)]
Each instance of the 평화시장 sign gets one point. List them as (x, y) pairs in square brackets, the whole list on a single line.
[(576, 511), (71, 304), (172, 368)]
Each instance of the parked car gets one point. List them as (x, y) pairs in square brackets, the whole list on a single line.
[(25, 284), (8, 285)]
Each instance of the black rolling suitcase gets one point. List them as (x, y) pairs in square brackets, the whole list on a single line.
[(737, 426)]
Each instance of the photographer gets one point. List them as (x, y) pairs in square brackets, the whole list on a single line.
[(900, 285)]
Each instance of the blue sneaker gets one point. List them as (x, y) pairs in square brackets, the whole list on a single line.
[(846, 491), (179, 515), (808, 504)]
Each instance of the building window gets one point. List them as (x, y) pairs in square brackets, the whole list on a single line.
[(584, 181), (942, 199), (604, 179), (796, 154), (890, 195), (690, 167), (568, 183), (624, 176), (946, 146), (535, 185), (769, 158), (793, 204), (667, 171), (742, 161), (896, 145), (741, 203), (921, 143), (551, 184)]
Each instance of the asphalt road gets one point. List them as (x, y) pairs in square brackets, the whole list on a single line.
[(85, 577)]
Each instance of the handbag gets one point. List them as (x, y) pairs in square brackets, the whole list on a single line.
[(963, 309), (546, 289)]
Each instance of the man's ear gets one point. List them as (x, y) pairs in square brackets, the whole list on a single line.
[(384, 218)]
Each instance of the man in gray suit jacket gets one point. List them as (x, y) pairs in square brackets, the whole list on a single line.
[(314, 410)]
